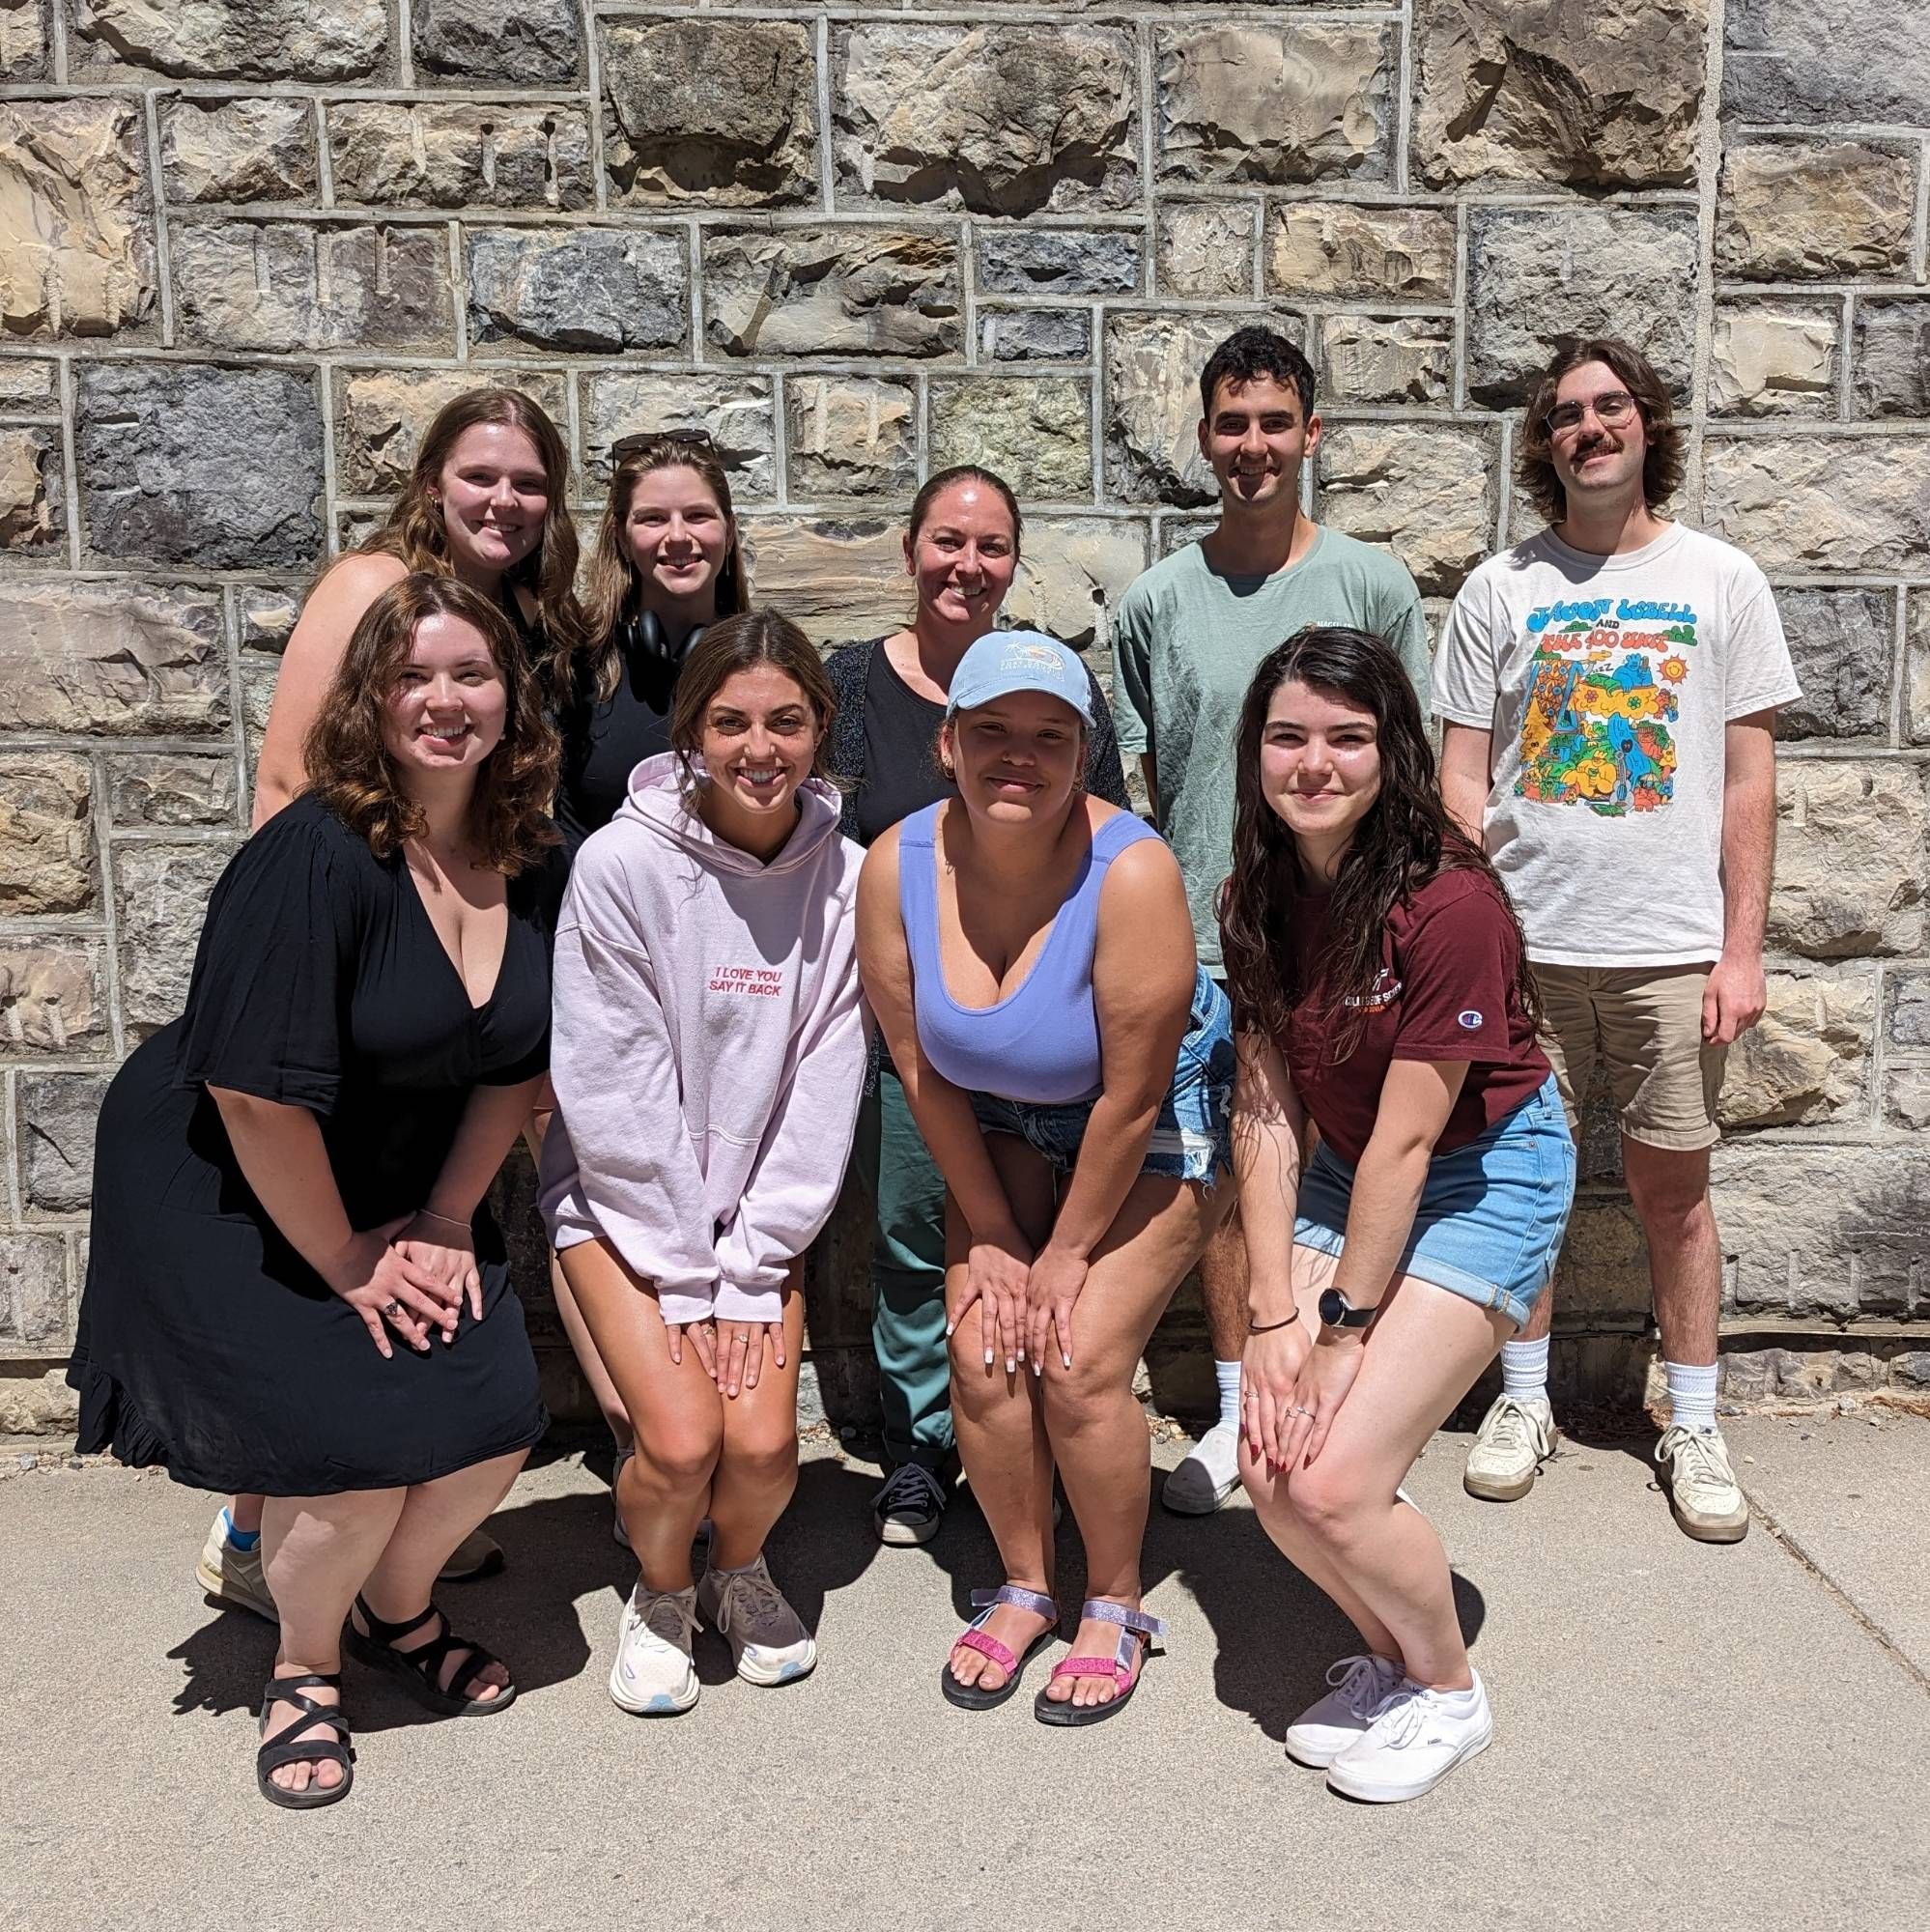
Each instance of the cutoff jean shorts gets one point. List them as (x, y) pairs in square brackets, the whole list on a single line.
[(1192, 1139), (1491, 1214)]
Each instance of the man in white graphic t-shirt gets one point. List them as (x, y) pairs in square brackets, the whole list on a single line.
[(1610, 689)]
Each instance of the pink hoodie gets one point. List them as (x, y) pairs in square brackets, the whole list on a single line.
[(707, 1048)]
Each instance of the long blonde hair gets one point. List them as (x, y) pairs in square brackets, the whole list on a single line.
[(614, 584)]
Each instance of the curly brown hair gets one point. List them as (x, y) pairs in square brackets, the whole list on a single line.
[(351, 771), (1662, 467)]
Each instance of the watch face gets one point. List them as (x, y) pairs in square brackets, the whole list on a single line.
[(1333, 1307)]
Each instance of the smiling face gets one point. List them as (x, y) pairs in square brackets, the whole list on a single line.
[(494, 496), (676, 536), (1596, 461), (962, 557), (1256, 440), (1016, 760), (759, 740), (446, 710), (1319, 767)]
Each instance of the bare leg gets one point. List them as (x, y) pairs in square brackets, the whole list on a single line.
[(317, 1553), (665, 1489), (1097, 1430), (757, 1468), (1223, 1288), (1000, 1430), (1541, 1317), (1671, 1192)]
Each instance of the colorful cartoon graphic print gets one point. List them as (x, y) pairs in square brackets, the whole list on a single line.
[(1605, 685)]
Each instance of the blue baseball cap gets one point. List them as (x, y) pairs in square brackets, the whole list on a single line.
[(1003, 661)]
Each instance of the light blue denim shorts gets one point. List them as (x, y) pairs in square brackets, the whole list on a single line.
[(1491, 1214), (1192, 1139)]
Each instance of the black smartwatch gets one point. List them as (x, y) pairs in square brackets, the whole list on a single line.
[(1338, 1311)]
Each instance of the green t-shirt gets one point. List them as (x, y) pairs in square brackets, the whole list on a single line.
[(1184, 647)]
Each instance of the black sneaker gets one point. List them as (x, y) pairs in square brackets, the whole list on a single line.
[(909, 1507)]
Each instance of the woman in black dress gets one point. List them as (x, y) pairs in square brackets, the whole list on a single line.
[(290, 1179), (665, 566)]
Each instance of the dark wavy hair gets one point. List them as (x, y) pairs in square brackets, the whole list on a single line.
[(1405, 839), (349, 766), (1247, 355), (1666, 460), (737, 643)]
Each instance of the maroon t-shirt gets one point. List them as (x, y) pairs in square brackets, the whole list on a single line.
[(1446, 991)]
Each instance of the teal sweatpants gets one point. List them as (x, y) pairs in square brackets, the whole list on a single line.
[(907, 1277)]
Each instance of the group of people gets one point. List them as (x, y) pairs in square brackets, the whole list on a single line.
[(709, 920)]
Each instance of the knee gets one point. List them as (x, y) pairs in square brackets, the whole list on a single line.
[(762, 1455), (1326, 1499), (1669, 1202), (680, 1457), (1077, 1396)]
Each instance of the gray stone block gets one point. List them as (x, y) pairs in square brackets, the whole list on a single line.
[(1891, 374), (161, 896), (1816, 61), (35, 1308), (1035, 334), (58, 1112), (1843, 644), (1057, 262), (595, 289), (529, 45)]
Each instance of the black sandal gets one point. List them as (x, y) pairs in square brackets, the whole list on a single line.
[(283, 1749), (419, 1668)]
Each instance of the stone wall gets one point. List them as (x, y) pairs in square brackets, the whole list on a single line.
[(247, 246)]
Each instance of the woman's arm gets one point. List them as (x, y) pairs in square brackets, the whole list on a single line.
[(308, 669)]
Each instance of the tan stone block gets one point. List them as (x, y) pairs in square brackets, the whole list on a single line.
[(1004, 119), (1807, 1059), (29, 386), (1153, 365), (38, 1405), (1036, 431), (1767, 359), (75, 209), (1608, 96), (1428, 494), (268, 619), (851, 435), (171, 789), (50, 998), (33, 497), (1603, 1269), (1206, 249), (1072, 572), (834, 292), (1857, 504), (24, 53), (259, 675), (161, 896), (1252, 101), (381, 415), (1850, 856), (1366, 359), (1788, 209), (460, 153), (36, 1306), (838, 580), (734, 409), (1906, 1097), (253, 39), (46, 836), (1354, 249), (1917, 668), (257, 149)]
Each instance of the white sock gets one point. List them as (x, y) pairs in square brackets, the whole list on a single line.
[(1524, 1369), (1691, 1395), (1227, 1375)]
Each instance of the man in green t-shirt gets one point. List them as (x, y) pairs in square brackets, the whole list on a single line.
[(1188, 638)]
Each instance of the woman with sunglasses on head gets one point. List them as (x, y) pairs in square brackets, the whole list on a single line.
[(961, 548), (486, 503), (665, 566), (1384, 991)]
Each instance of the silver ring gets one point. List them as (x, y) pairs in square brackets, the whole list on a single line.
[(1307, 1413)]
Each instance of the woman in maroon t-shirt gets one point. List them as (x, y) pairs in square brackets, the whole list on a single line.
[(1381, 987)]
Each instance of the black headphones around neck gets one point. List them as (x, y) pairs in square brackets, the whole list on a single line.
[(641, 633)]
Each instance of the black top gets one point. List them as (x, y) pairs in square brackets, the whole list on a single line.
[(605, 739)]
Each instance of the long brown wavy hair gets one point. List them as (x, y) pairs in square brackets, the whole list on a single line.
[(615, 590), (1664, 465), (351, 771), (742, 643), (1405, 839), (417, 533)]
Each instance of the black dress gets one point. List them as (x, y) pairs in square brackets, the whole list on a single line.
[(207, 1343)]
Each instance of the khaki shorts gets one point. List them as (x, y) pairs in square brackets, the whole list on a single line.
[(1644, 1025)]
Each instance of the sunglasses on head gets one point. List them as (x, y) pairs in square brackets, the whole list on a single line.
[(647, 441)]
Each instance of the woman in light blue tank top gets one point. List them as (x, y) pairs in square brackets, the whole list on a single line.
[(1029, 955)]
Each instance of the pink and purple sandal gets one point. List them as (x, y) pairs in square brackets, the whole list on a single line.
[(1137, 1632), (969, 1697)]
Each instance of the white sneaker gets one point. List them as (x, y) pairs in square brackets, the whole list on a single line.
[(617, 1528), (1417, 1736), (1516, 1435), (1323, 1730), (1702, 1488), (1210, 1474), (653, 1675), (232, 1575), (766, 1635)]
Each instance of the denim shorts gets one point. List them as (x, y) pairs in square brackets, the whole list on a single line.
[(1192, 1139), (1492, 1213)]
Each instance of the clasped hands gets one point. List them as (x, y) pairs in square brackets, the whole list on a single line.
[(1025, 1300), (411, 1275), (1292, 1388)]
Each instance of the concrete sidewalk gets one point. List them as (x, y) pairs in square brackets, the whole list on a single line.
[(1686, 1736)]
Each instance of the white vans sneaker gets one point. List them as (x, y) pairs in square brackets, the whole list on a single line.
[(766, 1635), (1702, 1489), (1210, 1474), (653, 1675), (1323, 1730), (1516, 1438), (1417, 1736)]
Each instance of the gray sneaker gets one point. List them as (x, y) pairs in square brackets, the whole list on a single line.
[(1702, 1489), (766, 1637)]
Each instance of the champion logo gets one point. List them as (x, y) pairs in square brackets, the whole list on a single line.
[(1470, 1020)]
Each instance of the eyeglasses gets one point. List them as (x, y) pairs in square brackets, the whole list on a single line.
[(1616, 406), (642, 441)]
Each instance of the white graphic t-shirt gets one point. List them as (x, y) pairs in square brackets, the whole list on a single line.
[(1606, 682)]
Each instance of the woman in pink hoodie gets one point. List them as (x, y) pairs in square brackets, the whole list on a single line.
[(707, 1054)]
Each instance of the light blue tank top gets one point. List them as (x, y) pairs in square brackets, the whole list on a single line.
[(1041, 1043)]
